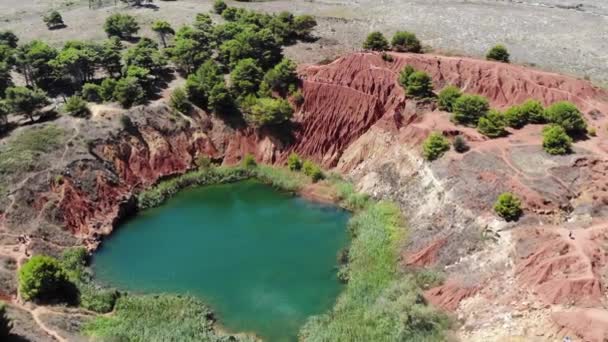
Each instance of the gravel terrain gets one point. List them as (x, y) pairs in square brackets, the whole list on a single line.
[(560, 35)]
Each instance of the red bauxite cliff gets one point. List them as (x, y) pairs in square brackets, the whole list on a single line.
[(354, 106)]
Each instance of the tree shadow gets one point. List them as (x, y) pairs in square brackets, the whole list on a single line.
[(161, 82), (16, 338), (58, 27)]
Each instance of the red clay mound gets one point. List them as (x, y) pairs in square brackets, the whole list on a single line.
[(448, 296), (589, 324), (426, 256)]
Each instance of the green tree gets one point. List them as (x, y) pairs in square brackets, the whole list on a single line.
[(33, 61), (6, 79), (79, 60), (42, 278), (163, 29), (282, 76), (191, 48), (199, 84), (92, 92), (110, 57), (128, 92), (145, 54), (26, 101), (556, 141), (312, 170), (468, 109), (492, 125), (122, 26), (447, 96), (515, 117), (508, 207), (434, 146), (534, 111), (260, 45), (375, 41), (419, 84), (108, 86), (143, 77), (179, 101), (498, 53), (294, 162), (246, 77), (4, 111), (5, 322), (267, 111), (220, 100), (8, 38), (303, 25), (53, 20), (567, 115), (404, 41), (77, 106), (219, 6)]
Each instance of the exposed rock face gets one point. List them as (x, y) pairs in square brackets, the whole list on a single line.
[(356, 119)]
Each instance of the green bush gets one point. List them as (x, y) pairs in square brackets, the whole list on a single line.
[(121, 25), (108, 86), (5, 322), (249, 162), (419, 84), (375, 41), (53, 20), (294, 162), (405, 74), (492, 125), (129, 92), (498, 53), (468, 109), (534, 111), (77, 106), (508, 207), (97, 299), (219, 6), (246, 77), (515, 117), (460, 144), (267, 111), (556, 141), (42, 278), (282, 76), (404, 41), (447, 96), (92, 92), (567, 115), (179, 101), (434, 146), (312, 170)]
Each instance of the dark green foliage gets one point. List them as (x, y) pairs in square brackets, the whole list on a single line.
[(498, 53), (77, 106), (567, 115), (534, 111), (43, 279), (110, 57), (492, 125), (419, 84), (143, 77), (128, 92), (248, 161), (375, 41), (33, 62), (447, 96), (8, 38), (266, 111), (434, 146), (5, 322), (123, 26), (260, 45), (191, 48), (404, 41), (294, 162), (468, 109), (145, 54), (220, 100), (6, 79), (282, 76), (163, 29), (508, 207), (26, 101), (556, 141), (387, 58), (4, 111), (303, 26), (460, 144), (405, 74), (108, 86), (219, 6), (199, 85), (313, 171), (515, 117), (179, 101), (246, 77), (78, 60), (297, 98), (92, 92), (53, 20)]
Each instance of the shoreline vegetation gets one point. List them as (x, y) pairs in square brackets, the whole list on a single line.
[(379, 302)]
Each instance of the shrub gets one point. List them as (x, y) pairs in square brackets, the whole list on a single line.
[(447, 96), (592, 131), (515, 117), (108, 86), (567, 115), (405, 74), (53, 20), (123, 26), (469, 108), (375, 41), (42, 278), (294, 162), (26, 101), (179, 101), (129, 92), (419, 84), (219, 6), (267, 111), (508, 207), (404, 41), (387, 58), (312, 170), (77, 106), (297, 98), (533, 111), (246, 77), (5, 322), (303, 25), (460, 144), (498, 53), (92, 92), (282, 76), (220, 100), (435, 146), (492, 125), (555, 140), (97, 299), (249, 162)]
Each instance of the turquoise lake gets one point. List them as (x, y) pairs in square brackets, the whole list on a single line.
[(263, 260)]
